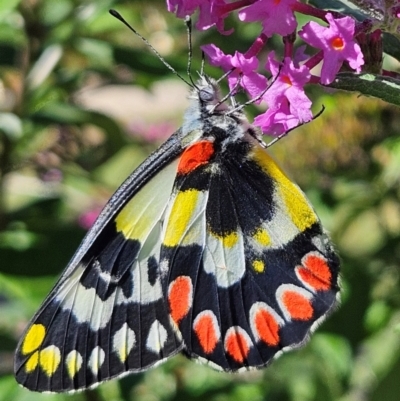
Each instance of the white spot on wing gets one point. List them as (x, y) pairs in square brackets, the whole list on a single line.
[(73, 361), (96, 359), (226, 263), (157, 337), (123, 341), (164, 267), (84, 303)]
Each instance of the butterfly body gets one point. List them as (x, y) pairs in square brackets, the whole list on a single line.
[(207, 248)]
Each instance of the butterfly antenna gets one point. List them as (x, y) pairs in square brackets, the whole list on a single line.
[(259, 96), (119, 17), (203, 60), (188, 22), (231, 94)]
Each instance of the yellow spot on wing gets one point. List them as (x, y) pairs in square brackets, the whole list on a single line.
[(49, 359), (262, 237), (184, 205), (74, 362), (33, 339), (258, 266), (228, 240), (296, 204), (32, 362)]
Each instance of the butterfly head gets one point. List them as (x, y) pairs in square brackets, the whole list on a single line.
[(208, 112), (207, 96)]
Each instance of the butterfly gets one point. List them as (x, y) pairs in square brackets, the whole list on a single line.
[(207, 249)]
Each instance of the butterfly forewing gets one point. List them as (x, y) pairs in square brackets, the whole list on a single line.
[(107, 316), (207, 248)]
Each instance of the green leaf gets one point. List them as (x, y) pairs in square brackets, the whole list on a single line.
[(334, 352), (377, 315), (385, 88), (98, 52), (17, 237), (7, 5)]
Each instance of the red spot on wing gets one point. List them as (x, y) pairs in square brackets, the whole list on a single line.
[(237, 343), (194, 156), (206, 328), (180, 297), (315, 272), (267, 327), (297, 305)]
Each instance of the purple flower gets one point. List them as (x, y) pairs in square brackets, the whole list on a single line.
[(278, 120), (243, 73), (182, 8), (211, 12), (288, 105), (337, 44), (87, 219), (276, 16)]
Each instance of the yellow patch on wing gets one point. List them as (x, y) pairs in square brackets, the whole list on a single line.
[(262, 237), (296, 203), (228, 240), (137, 218), (185, 218), (258, 266), (33, 338), (32, 362), (74, 362), (49, 359)]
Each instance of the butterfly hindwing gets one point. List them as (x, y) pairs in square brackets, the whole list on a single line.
[(265, 273)]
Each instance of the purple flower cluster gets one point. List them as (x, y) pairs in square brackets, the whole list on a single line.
[(288, 104)]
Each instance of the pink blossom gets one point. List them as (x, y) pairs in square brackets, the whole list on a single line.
[(288, 105), (243, 73), (276, 16), (277, 120), (182, 8), (87, 219), (211, 12), (337, 43)]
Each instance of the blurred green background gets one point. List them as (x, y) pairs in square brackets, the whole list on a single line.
[(83, 101)]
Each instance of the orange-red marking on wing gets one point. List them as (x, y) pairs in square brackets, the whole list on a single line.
[(206, 328), (237, 343), (180, 297), (194, 156), (315, 272), (297, 305), (266, 326)]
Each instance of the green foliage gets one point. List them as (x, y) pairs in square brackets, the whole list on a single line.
[(62, 154)]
